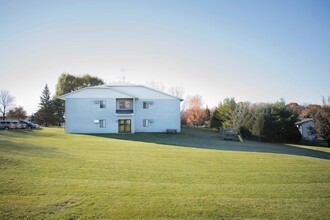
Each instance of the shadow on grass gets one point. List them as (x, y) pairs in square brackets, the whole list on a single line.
[(23, 148), (26, 133), (197, 138)]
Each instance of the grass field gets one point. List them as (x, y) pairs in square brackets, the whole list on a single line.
[(192, 175)]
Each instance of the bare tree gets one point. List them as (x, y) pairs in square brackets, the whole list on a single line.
[(6, 102), (176, 91), (156, 85), (239, 114), (326, 101)]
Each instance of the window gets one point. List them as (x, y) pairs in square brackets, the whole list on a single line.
[(145, 105), (102, 104), (146, 122), (102, 123), (125, 104)]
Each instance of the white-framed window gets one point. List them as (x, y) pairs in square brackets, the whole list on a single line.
[(102, 104), (102, 123), (145, 105), (146, 122)]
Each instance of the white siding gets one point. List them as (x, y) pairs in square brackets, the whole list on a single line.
[(81, 113), (82, 110), (304, 130), (165, 114)]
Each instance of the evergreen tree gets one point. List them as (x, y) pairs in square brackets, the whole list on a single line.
[(271, 122), (258, 124), (32, 118), (46, 113), (215, 121), (222, 115), (207, 116), (59, 109), (275, 123)]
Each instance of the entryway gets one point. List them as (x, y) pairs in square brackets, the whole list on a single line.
[(124, 126)]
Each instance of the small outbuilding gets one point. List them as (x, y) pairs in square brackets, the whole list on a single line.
[(306, 128)]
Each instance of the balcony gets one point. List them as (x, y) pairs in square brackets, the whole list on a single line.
[(124, 106)]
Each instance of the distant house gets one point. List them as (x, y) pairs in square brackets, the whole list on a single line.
[(305, 127), (120, 108)]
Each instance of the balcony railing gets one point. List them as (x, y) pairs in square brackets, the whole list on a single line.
[(124, 111)]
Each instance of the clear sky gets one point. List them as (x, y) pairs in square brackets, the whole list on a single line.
[(258, 51)]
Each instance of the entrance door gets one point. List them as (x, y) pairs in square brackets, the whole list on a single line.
[(124, 126)]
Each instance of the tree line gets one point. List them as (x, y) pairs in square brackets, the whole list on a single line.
[(273, 122)]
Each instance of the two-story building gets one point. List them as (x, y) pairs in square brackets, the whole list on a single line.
[(120, 108)]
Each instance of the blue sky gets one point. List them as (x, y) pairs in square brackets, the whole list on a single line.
[(258, 51)]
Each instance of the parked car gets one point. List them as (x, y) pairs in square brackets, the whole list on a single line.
[(17, 124), (29, 125), (6, 125)]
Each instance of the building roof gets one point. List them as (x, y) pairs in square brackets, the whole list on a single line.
[(92, 87), (136, 89), (128, 89), (303, 121)]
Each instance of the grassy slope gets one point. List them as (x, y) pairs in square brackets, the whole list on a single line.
[(46, 174)]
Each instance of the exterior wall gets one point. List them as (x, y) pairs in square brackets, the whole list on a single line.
[(80, 114), (164, 113), (303, 128), (81, 110)]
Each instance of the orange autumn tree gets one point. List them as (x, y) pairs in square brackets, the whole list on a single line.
[(195, 110)]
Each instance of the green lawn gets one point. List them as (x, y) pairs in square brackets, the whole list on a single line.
[(192, 175)]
